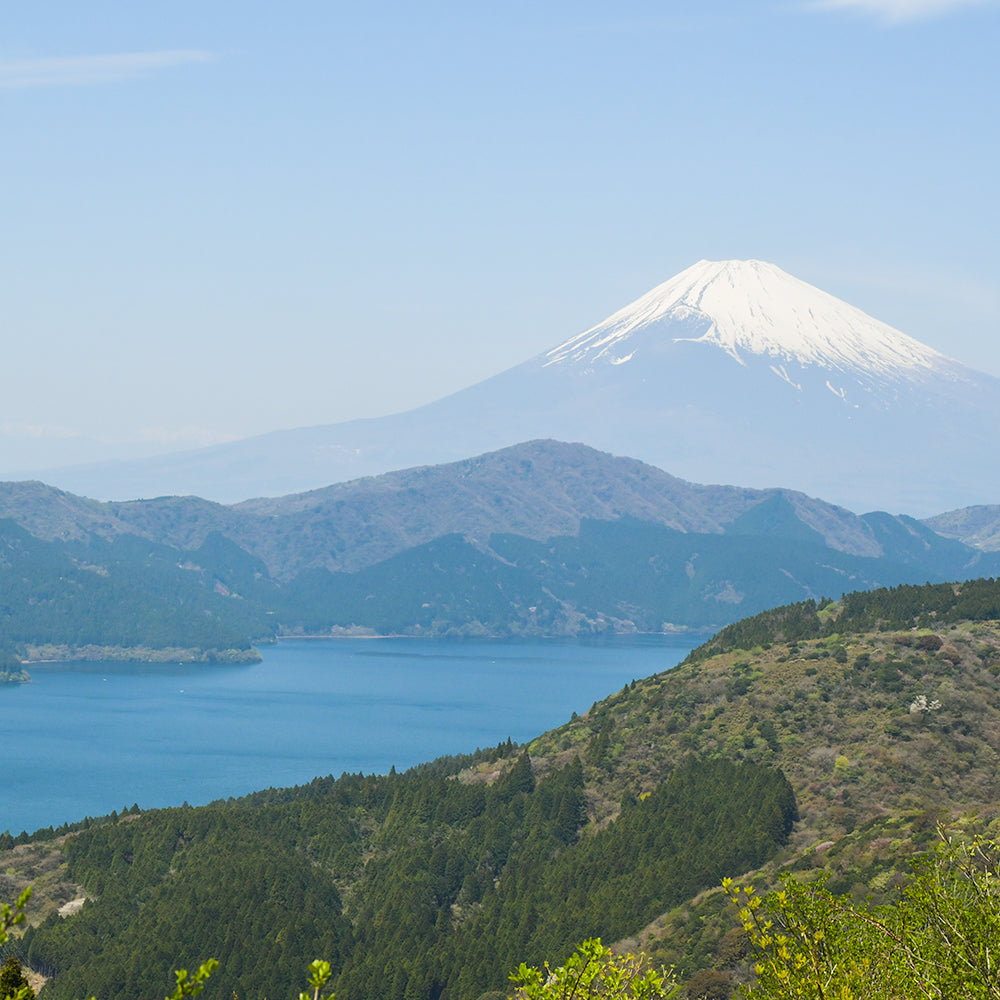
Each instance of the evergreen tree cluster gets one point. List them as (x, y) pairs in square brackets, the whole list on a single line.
[(415, 886), (126, 592), (14, 984)]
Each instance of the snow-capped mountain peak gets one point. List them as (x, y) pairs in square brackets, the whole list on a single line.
[(752, 307)]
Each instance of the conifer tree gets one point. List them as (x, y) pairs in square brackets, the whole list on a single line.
[(13, 982)]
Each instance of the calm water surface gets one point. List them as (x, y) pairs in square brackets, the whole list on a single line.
[(84, 739)]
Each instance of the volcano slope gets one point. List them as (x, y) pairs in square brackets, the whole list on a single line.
[(731, 371)]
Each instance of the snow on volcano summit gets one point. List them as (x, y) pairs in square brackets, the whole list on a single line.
[(730, 372), (755, 308)]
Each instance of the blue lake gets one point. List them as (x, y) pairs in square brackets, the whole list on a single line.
[(84, 739)]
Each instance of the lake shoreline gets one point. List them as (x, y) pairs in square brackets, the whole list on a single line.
[(96, 737), (680, 633), (137, 654)]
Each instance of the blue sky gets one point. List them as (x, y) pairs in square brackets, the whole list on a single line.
[(221, 219)]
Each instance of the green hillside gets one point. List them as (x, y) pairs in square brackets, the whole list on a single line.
[(807, 739), (447, 884)]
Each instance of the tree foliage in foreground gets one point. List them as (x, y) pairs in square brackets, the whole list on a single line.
[(13, 985), (939, 941), (594, 972)]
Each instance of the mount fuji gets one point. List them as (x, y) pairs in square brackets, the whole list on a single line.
[(731, 371)]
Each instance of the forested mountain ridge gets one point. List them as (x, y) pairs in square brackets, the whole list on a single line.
[(622, 575), (540, 539), (119, 598), (880, 711), (128, 597), (535, 490)]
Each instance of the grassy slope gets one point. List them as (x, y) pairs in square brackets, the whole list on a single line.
[(843, 734)]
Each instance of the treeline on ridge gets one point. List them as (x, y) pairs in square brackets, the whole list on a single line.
[(906, 606)]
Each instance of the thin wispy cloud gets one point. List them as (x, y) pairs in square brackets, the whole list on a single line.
[(77, 71), (189, 436), (36, 431), (899, 11)]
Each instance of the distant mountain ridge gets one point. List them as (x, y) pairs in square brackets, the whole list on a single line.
[(544, 538), (732, 371), (537, 489), (976, 526)]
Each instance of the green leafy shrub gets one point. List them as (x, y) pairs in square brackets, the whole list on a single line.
[(940, 939), (594, 971)]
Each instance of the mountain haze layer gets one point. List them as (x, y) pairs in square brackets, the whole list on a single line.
[(975, 526), (731, 371)]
